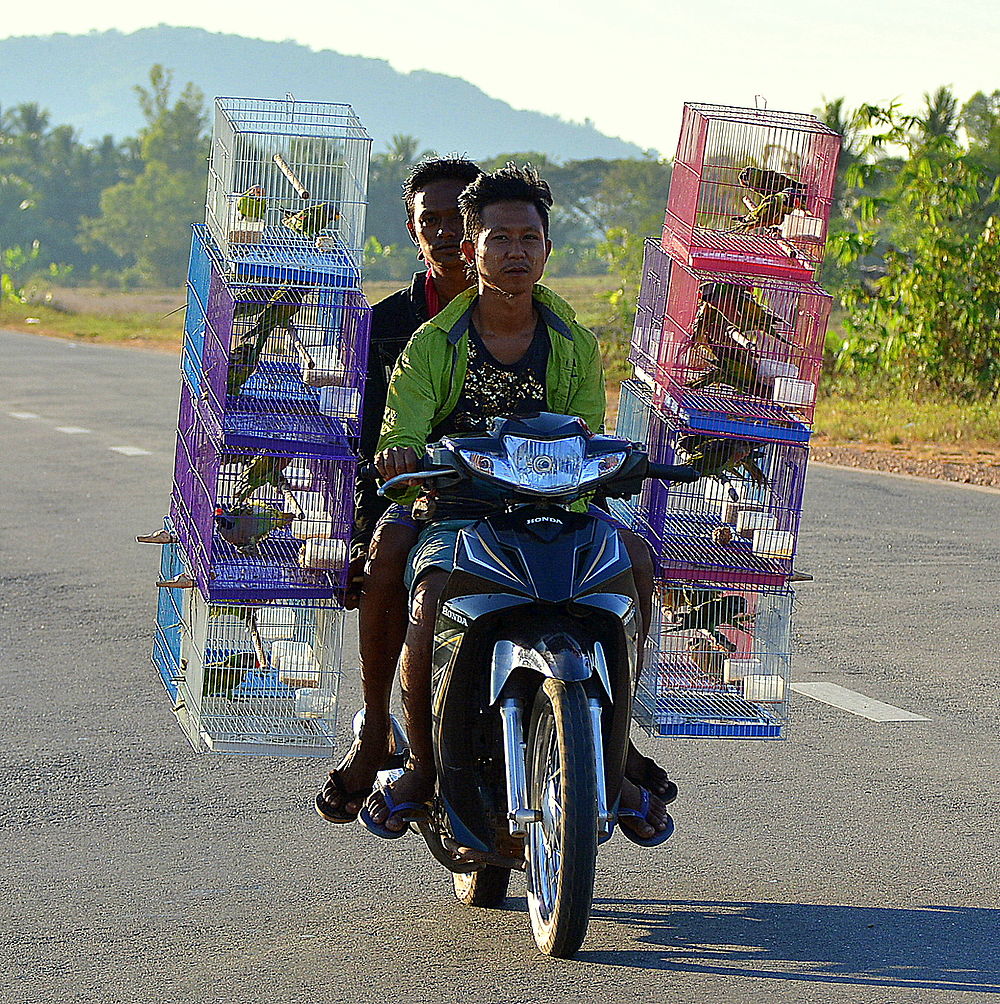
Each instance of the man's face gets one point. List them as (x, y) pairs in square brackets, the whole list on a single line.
[(437, 225), (511, 249)]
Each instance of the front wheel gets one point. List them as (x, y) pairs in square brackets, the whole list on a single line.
[(561, 848), (486, 887)]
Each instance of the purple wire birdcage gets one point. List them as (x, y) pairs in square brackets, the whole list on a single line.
[(739, 522), (717, 661), (257, 525), (742, 348), (283, 366), (751, 191)]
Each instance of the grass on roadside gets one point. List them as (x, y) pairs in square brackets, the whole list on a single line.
[(899, 422)]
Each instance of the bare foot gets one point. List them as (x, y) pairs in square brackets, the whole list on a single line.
[(647, 773), (408, 795), (342, 796), (657, 819)]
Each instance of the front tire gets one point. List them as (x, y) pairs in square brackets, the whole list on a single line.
[(486, 887), (561, 848)]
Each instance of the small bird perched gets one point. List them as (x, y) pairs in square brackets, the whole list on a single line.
[(252, 204), (264, 470), (765, 183), (742, 310), (770, 212), (221, 679), (718, 457), (247, 348), (309, 222), (705, 610), (246, 525)]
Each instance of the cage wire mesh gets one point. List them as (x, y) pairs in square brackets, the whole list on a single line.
[(717, 661), (739, 522), (260, 678), (199, 278), (742, 347), (254, 524), (287, 186), (166, 654), (751, 190), (280, 364)]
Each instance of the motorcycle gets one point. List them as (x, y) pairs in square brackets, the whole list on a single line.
[(534, 664)]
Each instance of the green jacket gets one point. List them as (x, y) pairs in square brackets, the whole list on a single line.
[(429, 375)]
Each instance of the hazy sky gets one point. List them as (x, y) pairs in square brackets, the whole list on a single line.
[(626, 64)]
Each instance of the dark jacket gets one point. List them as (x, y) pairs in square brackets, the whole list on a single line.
[(394, 320)]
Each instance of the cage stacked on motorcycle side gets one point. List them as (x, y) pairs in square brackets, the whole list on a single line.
[(743, 347), (280, 363), (715, 221), (740, 522), (291, 157), (305, 518), (717, 661), (199, 278), (166, 654), (259, 679)]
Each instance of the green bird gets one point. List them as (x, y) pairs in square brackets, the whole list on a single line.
[(766, 214), (742, 311), (705, 610), (735, 367), (252, 204), (247, 348), (765, 183), (262, 471), (246, 525), (718, 457), (309, 222), (221, 679)]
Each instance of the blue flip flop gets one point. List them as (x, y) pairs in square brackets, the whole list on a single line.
[(643, 813), (409, 811)]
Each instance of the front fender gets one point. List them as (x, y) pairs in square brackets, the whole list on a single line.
[(555, 655)]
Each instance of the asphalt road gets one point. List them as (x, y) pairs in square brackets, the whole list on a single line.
[(856, 861)]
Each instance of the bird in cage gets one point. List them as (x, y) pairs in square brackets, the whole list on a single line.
[(252, 204), (767, 214), (247, 525), (282, 306), (262, 471), (733, 366), (704, 610), (719, 457), (221, 679), (310, 221), (727, 306), (766, 183)]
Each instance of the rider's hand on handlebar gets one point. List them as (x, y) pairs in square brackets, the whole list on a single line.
[(397, 460)]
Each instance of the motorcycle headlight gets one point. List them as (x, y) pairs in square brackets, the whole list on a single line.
[(547, 467)]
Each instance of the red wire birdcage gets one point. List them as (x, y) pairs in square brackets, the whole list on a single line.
[(751, 191), (743, 347)]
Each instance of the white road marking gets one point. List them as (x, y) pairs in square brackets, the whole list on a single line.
[(22, 414), (857, 704), (130, 451), (71, 430)]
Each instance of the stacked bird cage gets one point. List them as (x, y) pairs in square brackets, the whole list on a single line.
[(250, 618), (727, 350)]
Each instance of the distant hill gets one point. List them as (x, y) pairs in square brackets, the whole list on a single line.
[(86, 81)]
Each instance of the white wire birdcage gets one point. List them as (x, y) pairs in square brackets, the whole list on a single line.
[(717, 662), (288, 188), (260, 679)]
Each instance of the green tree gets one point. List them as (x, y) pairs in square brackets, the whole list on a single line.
[(146, 220)]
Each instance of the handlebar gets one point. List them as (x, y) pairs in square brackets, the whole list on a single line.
[(684, 473)]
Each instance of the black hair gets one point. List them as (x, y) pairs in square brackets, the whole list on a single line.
[(437, 169), (510, 184)]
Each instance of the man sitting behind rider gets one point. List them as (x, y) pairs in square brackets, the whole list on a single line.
[(507, 347)]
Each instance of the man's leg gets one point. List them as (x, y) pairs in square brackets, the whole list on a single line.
[(640, 769), (381, 628), (417, 782)]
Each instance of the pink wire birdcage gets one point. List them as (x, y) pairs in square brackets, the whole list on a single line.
[(751, 191)]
